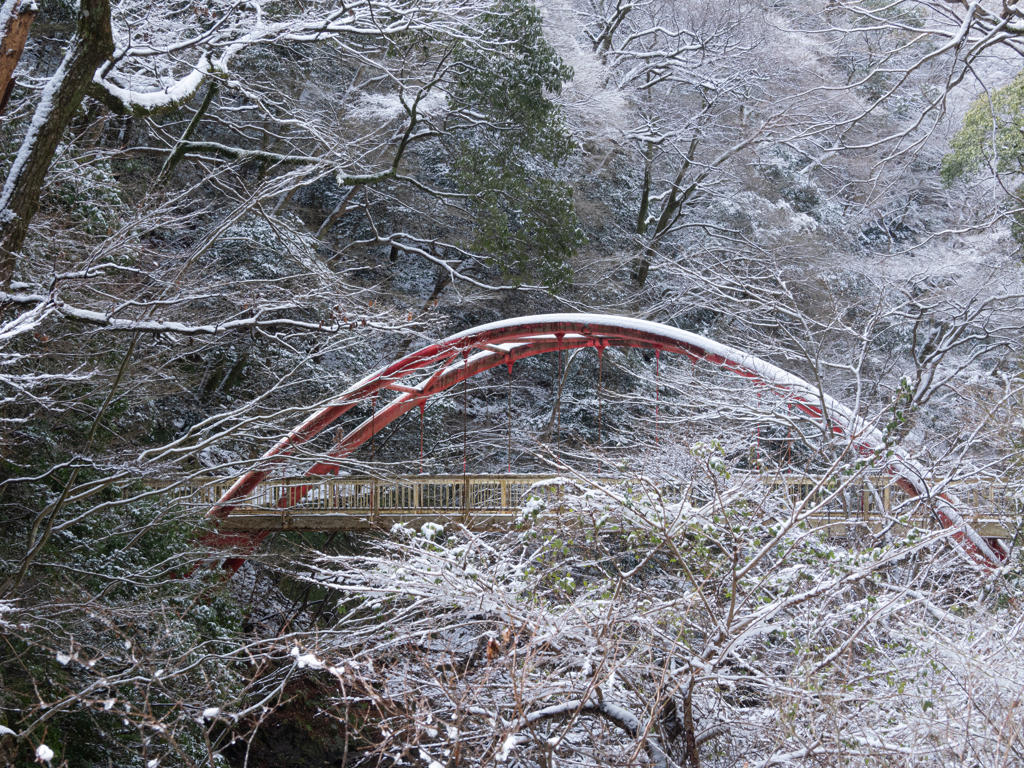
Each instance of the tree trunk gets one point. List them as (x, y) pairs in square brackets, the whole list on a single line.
[(19, 200), (179, 149), (641, 267), (645, 194), (669, 212), (689, 730), (15, 19)]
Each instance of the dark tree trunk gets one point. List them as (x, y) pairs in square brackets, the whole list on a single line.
[(179, 149), (669, 213), (19, 200)]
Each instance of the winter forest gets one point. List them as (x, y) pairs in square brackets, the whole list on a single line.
[(787, 536)]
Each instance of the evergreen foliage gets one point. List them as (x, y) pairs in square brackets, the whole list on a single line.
[(524, 220), (992, 135)]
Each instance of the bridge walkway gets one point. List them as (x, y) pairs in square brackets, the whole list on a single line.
[(491, 502)]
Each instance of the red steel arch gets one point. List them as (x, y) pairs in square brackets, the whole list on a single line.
[(457, 358)]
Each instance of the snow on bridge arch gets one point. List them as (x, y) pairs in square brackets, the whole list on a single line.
[(457, 358)]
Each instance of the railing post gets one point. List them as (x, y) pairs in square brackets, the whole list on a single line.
[(286, 511), (503, 484), (374, 501)]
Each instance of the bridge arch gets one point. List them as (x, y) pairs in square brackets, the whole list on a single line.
[(449, 362)]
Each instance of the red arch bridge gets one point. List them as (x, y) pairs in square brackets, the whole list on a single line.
[(438, 367)]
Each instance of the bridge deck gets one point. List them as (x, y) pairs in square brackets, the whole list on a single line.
[(489, 502)]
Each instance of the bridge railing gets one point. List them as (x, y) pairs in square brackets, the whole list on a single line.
[(413, 498), (354, 493)]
